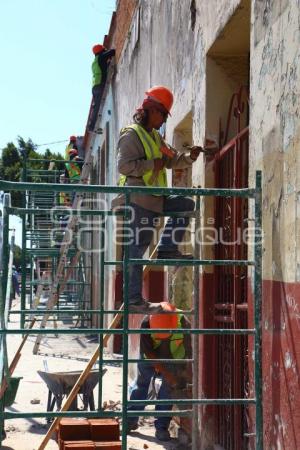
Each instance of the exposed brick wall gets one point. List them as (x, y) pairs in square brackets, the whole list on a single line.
[(120, 25)]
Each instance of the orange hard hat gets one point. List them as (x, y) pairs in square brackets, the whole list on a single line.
[(97, 48), (166, 321), (162, 95), (72, 138)]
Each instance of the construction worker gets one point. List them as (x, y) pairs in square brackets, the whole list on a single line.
[(174, 376), (99, 69), (15, 282), (73, 167), (71, 146), (63, 198), (143, 157), (73, 170)]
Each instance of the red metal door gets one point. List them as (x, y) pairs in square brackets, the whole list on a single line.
[(231, 304)]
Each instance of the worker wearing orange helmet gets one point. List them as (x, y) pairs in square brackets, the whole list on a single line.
[(143, 158), (99, 70), (73, 167), (64, 198), (71, 145), (165, 345)]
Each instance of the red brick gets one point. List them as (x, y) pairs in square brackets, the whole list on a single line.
[(114, 445), (74, 430), (104, 430), (79, 445), (120, 26)]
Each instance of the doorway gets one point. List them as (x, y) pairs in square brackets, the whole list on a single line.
[(227, 118)]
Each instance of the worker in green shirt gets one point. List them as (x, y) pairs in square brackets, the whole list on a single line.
[(73, 167), (99, 69)]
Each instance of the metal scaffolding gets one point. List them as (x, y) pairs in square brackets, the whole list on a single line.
[(66, 283)]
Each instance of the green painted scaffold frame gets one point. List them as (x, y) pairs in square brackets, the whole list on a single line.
[(252, 193)]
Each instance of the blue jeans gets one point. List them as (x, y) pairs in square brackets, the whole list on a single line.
[(142, 229), (140, 392)]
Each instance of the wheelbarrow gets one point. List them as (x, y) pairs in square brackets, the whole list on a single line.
[(60, 385)]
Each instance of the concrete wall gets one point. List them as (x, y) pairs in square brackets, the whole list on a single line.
[(173, 44), (274, 148)]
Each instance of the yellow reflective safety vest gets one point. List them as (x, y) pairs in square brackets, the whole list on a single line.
[(64, 199), (69, 147), (152, 145), (177, 349), (73, 171)]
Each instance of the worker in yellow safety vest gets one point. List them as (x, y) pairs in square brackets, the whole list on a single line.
[(143, 157), (174, 377), (99, 69), (72, 145), (73, 170), (73, 167), (63, 198)]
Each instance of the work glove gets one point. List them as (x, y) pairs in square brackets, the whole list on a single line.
[(195, 152)]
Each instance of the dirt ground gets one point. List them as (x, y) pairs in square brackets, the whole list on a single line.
[(66, 353)]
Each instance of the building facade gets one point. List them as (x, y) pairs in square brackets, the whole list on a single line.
[(233, 66)]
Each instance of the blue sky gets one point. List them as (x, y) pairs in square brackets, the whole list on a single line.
[(45, 77)]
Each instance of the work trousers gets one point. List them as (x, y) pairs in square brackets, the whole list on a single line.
[(142, 229), (140, 390), (97, 95)]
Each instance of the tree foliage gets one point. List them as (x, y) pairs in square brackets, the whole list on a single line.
[(17, 256), (12, 160)]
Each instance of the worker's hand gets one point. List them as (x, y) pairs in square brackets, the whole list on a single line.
[(159, 164), (195, 152)]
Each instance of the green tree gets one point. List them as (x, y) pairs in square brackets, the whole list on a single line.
[(11, 168), (12, 159), (17, 255)]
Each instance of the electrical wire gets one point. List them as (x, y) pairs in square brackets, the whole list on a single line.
[(52, 143)]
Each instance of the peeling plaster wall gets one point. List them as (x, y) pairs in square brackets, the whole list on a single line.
[(274, 148), (275, 130), (169, 52)]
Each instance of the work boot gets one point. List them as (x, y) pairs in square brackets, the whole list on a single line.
[(173, 254), (162, 435), (144, 307)]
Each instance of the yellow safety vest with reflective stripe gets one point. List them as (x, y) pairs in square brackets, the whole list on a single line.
[(69, 147), (73, 171), (152, 145), (176, 343), (64, 199)]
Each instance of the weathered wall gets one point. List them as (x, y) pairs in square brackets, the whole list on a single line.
[(168, 51), (274, 148)]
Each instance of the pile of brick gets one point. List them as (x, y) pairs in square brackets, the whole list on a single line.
[(89, 434)]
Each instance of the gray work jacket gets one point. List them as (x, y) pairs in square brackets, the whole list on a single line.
[(132, 162)]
